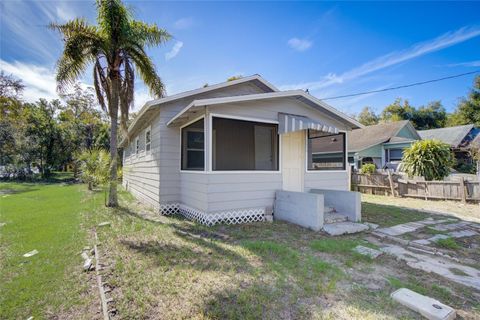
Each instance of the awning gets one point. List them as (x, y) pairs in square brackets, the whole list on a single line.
[(290, 123)]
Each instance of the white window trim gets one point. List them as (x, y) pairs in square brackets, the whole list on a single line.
[(148, 129), (326, 171), (204, 146), (235, 117)]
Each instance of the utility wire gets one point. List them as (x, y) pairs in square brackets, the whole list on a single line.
[(402, 86)]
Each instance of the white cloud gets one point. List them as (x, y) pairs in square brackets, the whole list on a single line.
[(183, 23), (39, 81), (419, 49), (175, 50), (300, 44), (64, 13), (466, 64)]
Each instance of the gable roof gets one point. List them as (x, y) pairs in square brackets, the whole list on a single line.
[(452, 136), (148, 106), (297, 94), (370, 136)]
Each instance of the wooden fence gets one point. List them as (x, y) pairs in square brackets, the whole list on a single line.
[(387, 183)]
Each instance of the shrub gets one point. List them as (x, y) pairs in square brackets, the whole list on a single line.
[(368, 168), (431, 159), (94, 167)]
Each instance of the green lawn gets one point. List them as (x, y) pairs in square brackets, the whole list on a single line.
[(176, 269), (47, 218)]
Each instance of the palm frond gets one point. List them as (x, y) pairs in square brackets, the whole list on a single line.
[(146, 69), (148, 34)]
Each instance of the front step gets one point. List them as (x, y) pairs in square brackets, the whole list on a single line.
[(339, 228), (333, 217)]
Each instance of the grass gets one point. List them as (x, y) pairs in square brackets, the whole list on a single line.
[(448, 243), (47, 218), (176, 269), (387, 215)]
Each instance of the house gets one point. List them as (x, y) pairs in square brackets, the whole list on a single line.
[(459, 139), (381, 144), (220, 153)]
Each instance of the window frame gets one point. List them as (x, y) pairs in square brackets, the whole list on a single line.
[(204, 145), (148, 130), (137, 146), (389, 156), (345, 148), (251, 119)]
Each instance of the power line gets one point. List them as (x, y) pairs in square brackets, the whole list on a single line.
[(402, 86)]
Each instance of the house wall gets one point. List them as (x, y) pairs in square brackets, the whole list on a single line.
[(155, 179)]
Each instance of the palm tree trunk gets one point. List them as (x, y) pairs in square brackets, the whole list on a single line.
[(113, 108)]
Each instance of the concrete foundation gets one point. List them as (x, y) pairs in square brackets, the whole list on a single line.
[(301, 208)]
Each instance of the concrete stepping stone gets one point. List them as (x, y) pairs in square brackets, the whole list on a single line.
[(31, 253), (451, 226), (366, 251), (439, 265), (339, 228), (371, 226), (2, 224), (462, 233), (103, 224), (437, 237), (429, 308)]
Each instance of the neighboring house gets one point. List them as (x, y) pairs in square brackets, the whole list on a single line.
[(221, 152), (381, 144), (459, 139)]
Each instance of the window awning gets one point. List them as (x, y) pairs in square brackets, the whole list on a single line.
[(290, 123)]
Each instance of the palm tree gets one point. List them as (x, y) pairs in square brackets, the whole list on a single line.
[(116, 49)]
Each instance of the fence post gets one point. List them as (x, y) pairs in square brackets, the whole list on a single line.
[(463, 191), (390, 180)]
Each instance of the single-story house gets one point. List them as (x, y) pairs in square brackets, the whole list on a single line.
[(220, 153), (459, 139), (381, 144)]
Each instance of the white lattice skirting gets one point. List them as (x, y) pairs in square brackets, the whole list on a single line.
[(167, 209), (210, 219)]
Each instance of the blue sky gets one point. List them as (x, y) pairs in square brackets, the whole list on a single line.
[(330, 48)]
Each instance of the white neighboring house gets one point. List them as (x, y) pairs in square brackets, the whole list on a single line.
[(219, 153)]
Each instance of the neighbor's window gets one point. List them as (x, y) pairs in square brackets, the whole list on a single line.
[(244, 145), (148, 140), (193, 146), (326, 151), (394, 154), (137, 145)]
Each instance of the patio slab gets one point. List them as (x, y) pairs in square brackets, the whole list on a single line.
[(336, 229), (429, 308), (366, 251)]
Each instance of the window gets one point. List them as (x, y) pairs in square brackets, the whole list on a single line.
[(193, 146), (394, 154), (137, 145), (244, 145), (326, 151), (148, 140)]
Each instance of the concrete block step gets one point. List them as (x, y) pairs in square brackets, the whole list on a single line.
[(334, 217), (339, 228), (329, 210)]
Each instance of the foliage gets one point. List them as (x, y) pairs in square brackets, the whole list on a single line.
[(232, 78), (431, 159), (431, 116), (368, 117), (398, 111), (368, 168), (94, 167), (116, 49), (468, 109), (43, 136)]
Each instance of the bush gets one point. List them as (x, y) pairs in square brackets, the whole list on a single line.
[(94, 167), (431, 159), (368, 168)]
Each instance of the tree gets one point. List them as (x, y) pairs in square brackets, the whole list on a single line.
[(468, 109), (232, 78), (431, 159), (431, 116), (116, 49), (368, 117), (398, 111)]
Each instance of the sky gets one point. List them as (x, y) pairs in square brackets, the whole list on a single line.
[(329, 48)]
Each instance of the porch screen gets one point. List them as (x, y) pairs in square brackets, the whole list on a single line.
[(193, 146), (244, 145), (326, 151)]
